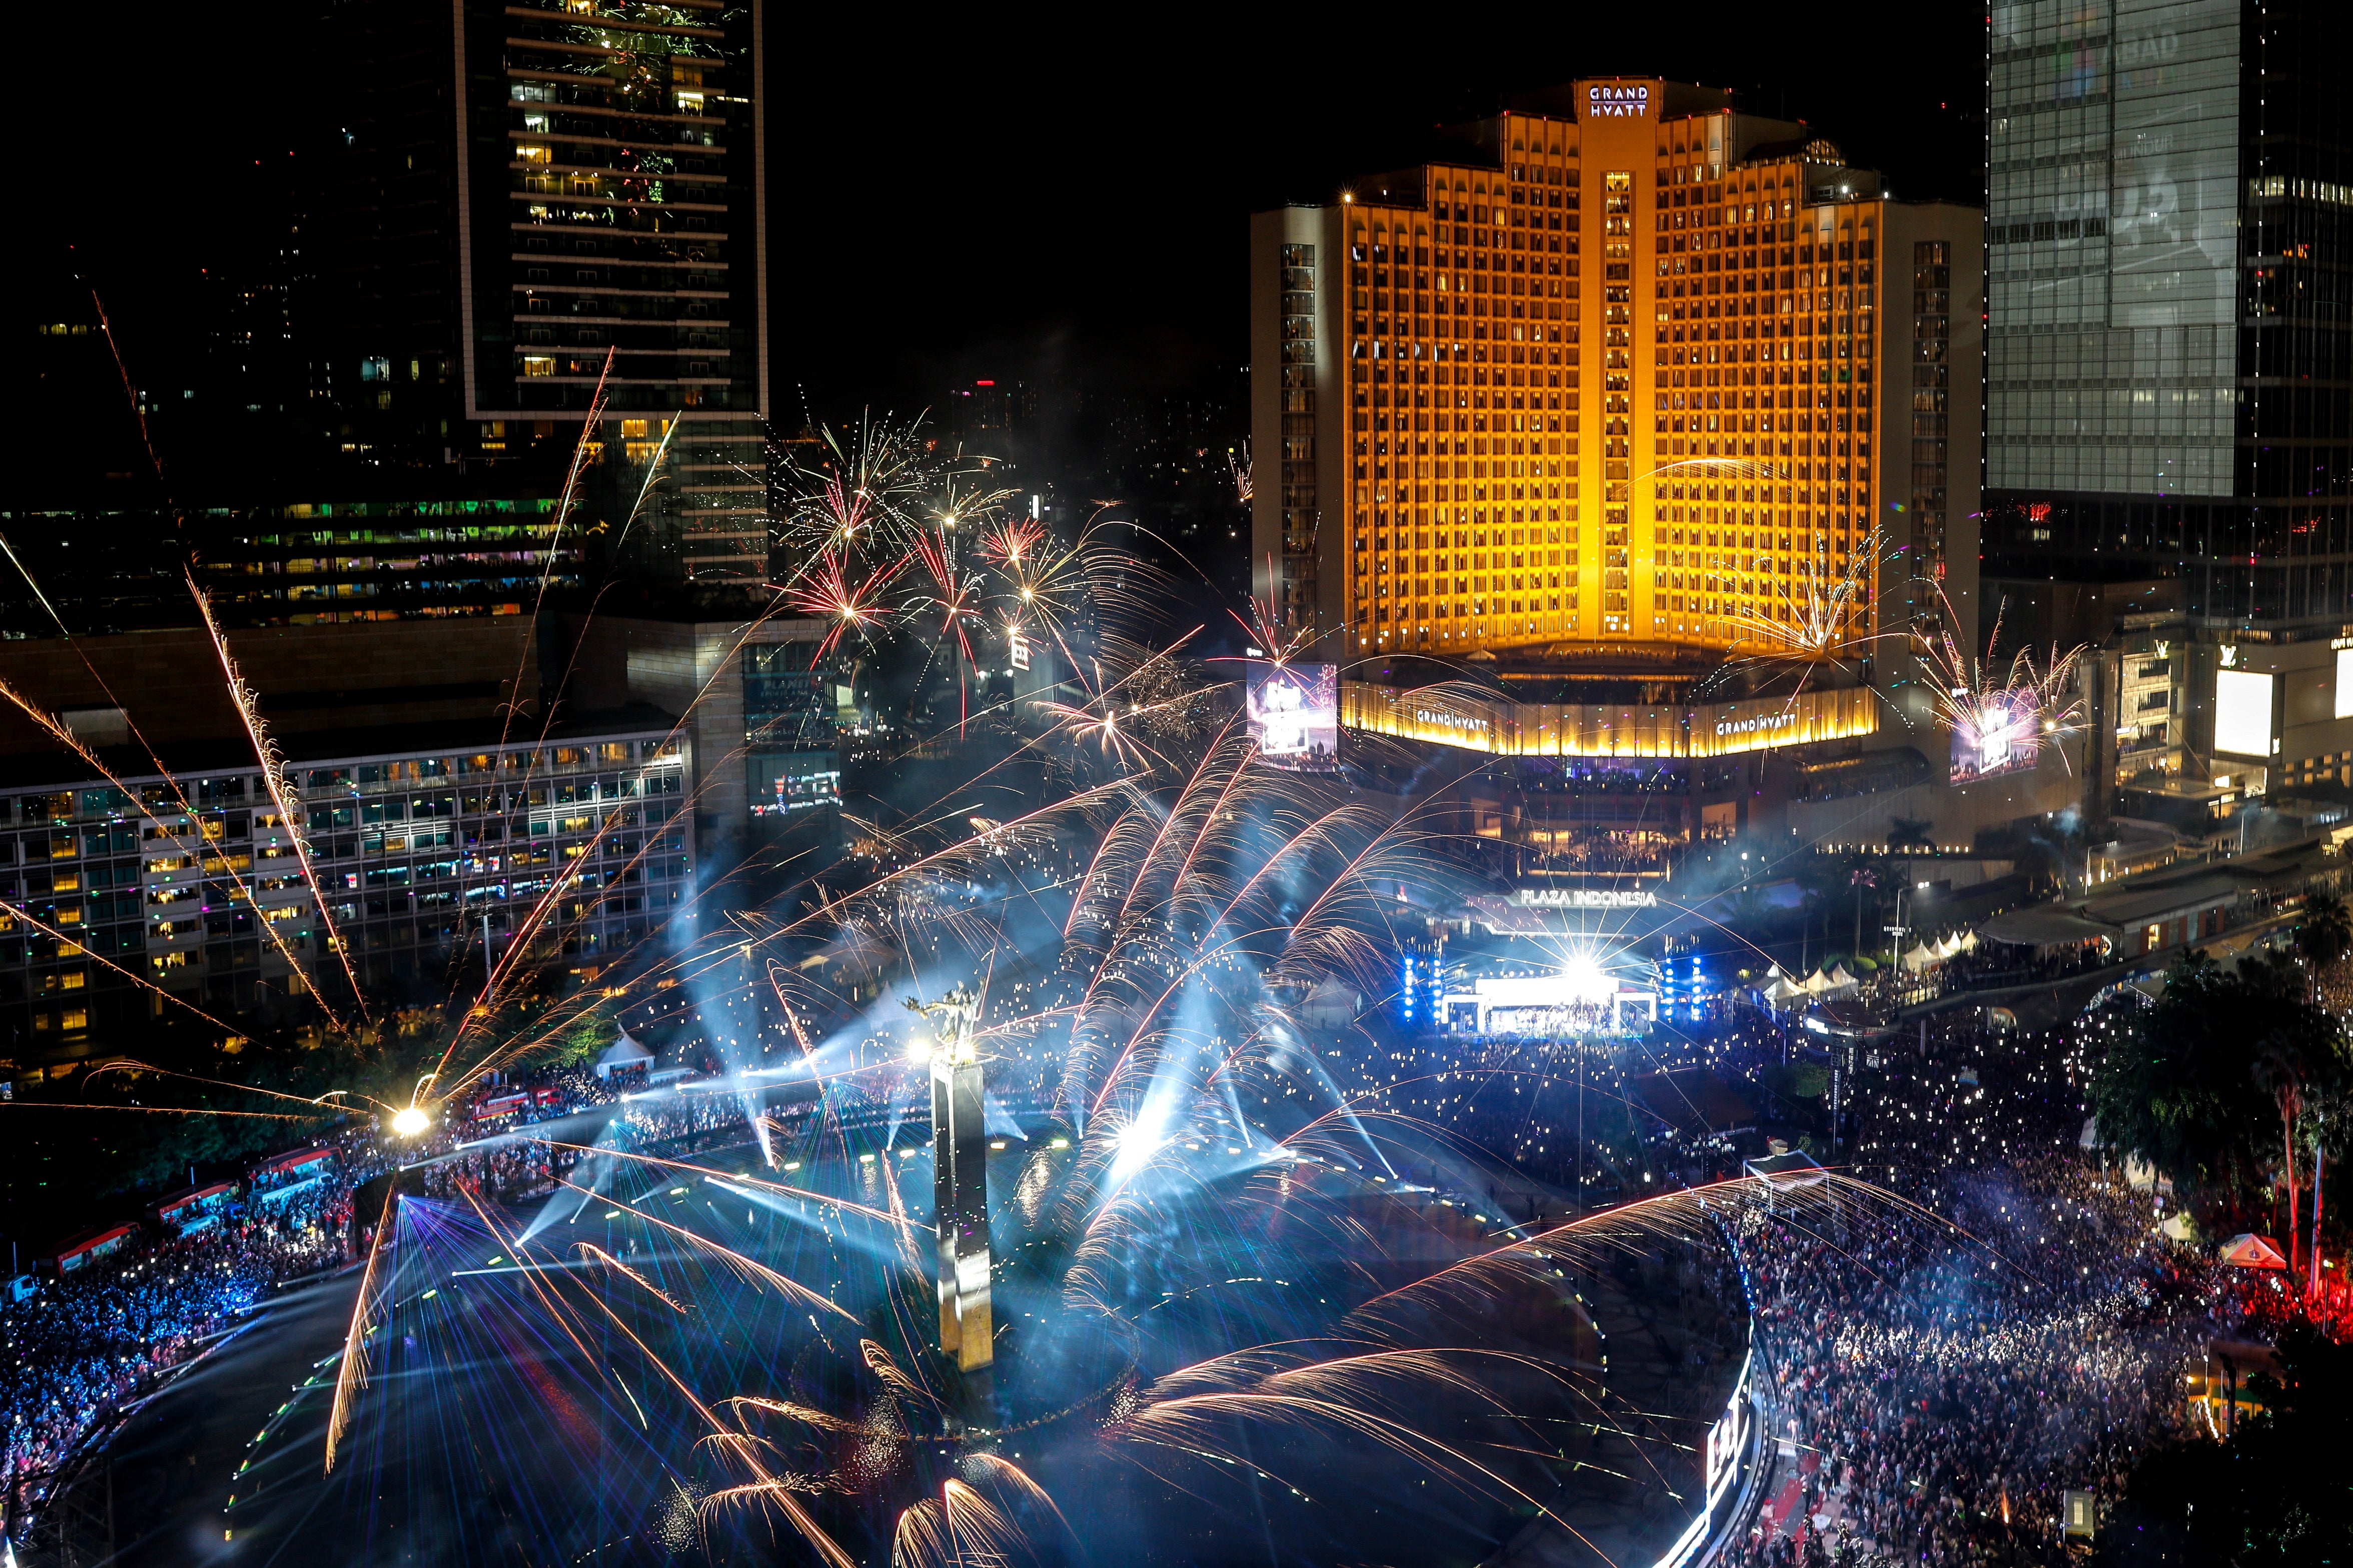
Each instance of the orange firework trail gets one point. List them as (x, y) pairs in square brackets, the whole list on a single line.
[(281, 791)]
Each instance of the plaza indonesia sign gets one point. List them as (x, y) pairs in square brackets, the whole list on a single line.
[(1584, 898), (1618, 100)]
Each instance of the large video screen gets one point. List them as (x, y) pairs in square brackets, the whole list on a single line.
[(2243, 713), (2004, 735), (2173, 212), (1294, 714)]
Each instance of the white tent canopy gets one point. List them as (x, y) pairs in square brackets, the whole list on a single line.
[(624, 1055), (1919, 958)]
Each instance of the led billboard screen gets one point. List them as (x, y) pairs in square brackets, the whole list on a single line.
[(2002, 735), (2243, 713), (2345, 683), (1294, 714)]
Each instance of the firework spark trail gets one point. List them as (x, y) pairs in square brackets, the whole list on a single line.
[(318, 1101), (589, 1250), (281, 790), (1188, 1422), (755, 1273), (844, 1205), (138, 412), (240, 696), (731, 1440), (589, 426), (495, 976), (63, 734), (350, 1372), (21, 570), (653, 472), (1819, 620), (154, 1109), (823, 591)]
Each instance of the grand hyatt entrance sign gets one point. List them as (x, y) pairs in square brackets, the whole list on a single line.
[(1617, 101), (1479, 722)]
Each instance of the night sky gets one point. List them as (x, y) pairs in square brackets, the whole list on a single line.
[(957, 196)]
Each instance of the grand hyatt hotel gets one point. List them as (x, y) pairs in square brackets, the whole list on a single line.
[(1610, 391)]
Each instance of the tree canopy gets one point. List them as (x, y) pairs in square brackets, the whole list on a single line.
[(2192, 1083), (2324, 934), (2277, 1492)]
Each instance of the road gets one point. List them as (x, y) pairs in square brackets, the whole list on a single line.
[(155, 1498)]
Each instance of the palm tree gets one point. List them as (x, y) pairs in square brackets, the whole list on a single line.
[(1911, 832), (2280, 1070)]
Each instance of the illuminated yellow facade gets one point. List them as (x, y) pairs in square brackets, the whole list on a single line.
[(1477, 723), (1638, 369)]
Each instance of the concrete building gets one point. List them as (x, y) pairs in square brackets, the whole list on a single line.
[(762, 719), (1626, 378), (528, 202), (448, 795)]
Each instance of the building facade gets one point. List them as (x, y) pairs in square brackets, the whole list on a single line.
[(533, 201), (2169, 394), (577, 842), (1632, 375), (311, 563)]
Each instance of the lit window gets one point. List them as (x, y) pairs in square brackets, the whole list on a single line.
[(538, 364)]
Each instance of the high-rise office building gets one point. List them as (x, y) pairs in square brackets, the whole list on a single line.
[(529, 199), (2170, 393), (1625, 374)]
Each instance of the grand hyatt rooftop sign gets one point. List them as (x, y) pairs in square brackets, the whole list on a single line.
[(1617, 101), (1479, 722)]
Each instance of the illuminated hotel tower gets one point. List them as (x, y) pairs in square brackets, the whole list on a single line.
[(1608, 380)]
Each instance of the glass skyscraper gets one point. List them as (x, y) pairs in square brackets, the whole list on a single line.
[(2168, 395)]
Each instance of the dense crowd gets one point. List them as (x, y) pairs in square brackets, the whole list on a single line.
[(78, 1351), (1941, 1385), (1934, 1387), (1940, 1390), (1993, 965), (1936, 1380)]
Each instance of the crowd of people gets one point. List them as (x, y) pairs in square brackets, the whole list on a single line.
[(1940, 1369), (1993, 965), (1942, 1363), (1948, 1385), (84, 1347), (1942, 1381)]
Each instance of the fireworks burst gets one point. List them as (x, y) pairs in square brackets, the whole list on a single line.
[(1819, 617), (1211, 1274), (2001, 716)]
